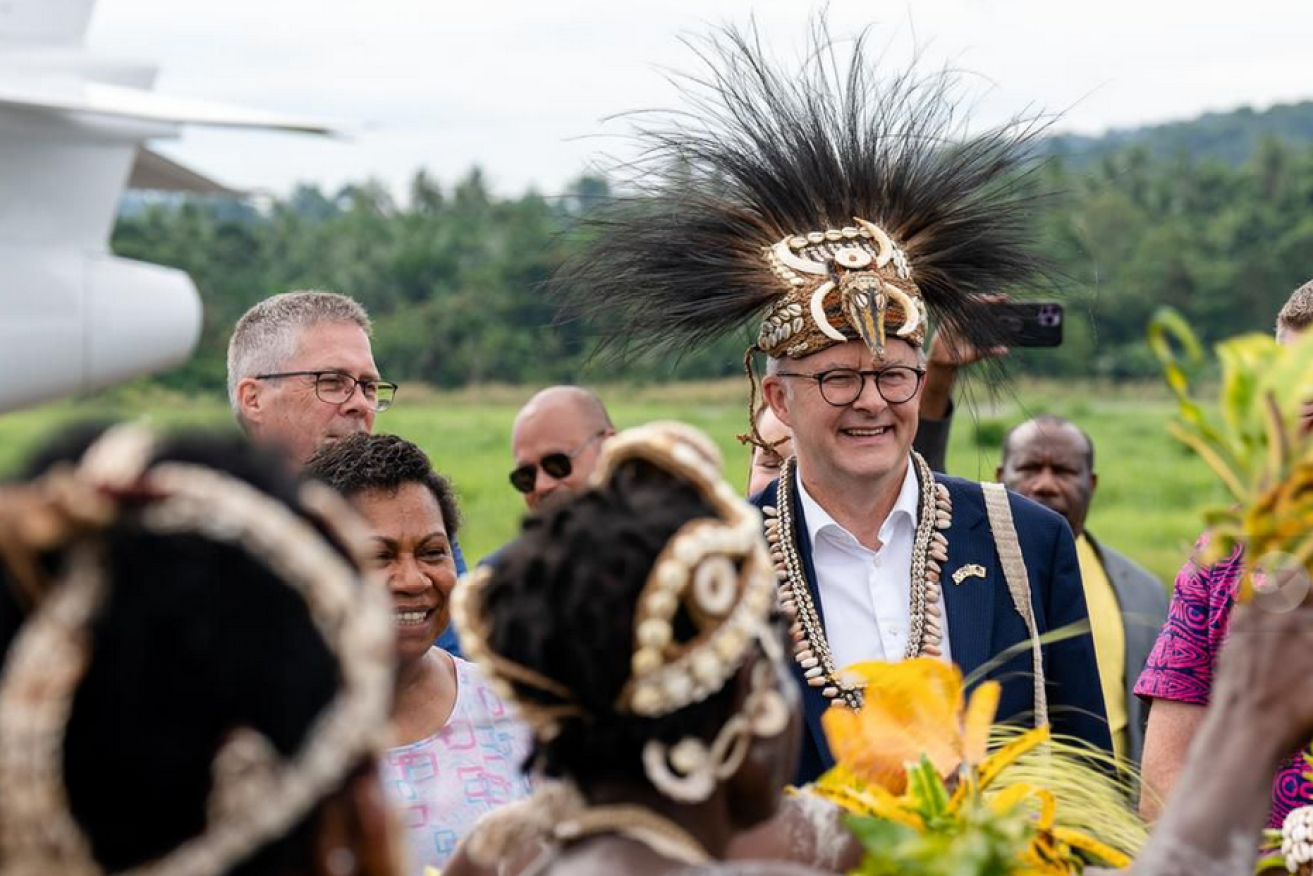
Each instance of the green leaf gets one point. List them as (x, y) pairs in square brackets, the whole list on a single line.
[(927, 789), (1168, 324)]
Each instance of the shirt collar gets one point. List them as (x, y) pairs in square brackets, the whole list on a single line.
[(905, 507)]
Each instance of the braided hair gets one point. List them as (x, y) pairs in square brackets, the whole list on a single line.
[(561, 602), (195, 638)]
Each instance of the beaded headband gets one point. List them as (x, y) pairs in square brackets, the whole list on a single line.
[(856, 274), (257, 795), (715, 568)]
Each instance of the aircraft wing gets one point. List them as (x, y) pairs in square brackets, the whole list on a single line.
[(139, 105), (151, 171)]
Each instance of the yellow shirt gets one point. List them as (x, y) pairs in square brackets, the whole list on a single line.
[(1109, 640)]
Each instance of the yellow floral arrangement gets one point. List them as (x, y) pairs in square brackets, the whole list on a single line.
[(933, 788)]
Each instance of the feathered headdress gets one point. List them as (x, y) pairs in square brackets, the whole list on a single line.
[(824, 202)]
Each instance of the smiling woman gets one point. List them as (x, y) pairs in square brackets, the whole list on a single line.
[(460, 749)]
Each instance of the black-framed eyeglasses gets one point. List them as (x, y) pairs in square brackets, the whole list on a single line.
[(843, 386), (557, 465), (336, 387)]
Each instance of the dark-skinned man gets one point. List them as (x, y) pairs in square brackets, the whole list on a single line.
[(1050, 460)]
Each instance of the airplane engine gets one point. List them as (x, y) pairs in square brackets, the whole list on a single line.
[(74, 318), (75, 324)]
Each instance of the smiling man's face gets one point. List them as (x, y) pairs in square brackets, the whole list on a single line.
[(868, 440)]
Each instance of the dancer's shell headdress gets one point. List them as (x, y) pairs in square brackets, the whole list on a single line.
[(702, 611), (714, 569), (257, 794)]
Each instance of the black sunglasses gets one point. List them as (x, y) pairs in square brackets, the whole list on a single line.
[(557, 465)]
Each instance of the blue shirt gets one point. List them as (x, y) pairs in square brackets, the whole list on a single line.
[(447, 641)]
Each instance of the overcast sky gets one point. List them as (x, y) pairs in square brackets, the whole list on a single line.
[(523, 88)]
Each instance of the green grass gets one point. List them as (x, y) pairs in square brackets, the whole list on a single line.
[(1147, 504)]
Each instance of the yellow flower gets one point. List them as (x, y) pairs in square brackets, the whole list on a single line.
[(912, 709)]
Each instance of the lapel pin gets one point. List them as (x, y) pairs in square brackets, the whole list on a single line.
[(974, 570)]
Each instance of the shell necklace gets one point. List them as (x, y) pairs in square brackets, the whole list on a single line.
[(929, 553)]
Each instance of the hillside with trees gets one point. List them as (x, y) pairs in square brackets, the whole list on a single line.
[(1229, 137), (1214, 217)]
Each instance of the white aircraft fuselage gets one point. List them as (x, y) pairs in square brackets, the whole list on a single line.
[(73, 317)]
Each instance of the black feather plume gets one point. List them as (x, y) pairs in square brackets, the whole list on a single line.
[(760, 152)]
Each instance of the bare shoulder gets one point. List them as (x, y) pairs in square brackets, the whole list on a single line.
[(750, 868)]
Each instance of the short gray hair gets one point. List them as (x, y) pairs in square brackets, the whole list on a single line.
[(1297, 314), (266, 335)]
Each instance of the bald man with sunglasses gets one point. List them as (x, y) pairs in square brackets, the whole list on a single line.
[(555, 441)]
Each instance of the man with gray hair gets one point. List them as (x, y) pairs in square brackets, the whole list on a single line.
[(1296, 314), (301, 372)]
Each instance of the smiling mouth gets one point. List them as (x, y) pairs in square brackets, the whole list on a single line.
[(412, 618), (867, 433)]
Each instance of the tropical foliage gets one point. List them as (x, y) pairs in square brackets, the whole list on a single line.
[(1257, 444), (453, 274)]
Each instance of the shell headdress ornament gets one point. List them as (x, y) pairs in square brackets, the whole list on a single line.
[(703, 607), (257, 794), (714, 569), (819, 204)]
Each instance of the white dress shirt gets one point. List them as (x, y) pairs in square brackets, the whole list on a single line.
[(866, 594)]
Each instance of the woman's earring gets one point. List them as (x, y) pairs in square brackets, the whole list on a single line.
[(689, 757)]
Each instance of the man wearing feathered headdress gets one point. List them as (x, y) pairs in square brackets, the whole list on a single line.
[(837, 215)]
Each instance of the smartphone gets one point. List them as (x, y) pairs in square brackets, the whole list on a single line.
[(1031, 323)]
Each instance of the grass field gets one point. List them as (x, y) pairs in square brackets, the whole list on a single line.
[(1150, 489)]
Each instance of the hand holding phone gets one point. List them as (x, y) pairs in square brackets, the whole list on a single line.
[(1030, 323)]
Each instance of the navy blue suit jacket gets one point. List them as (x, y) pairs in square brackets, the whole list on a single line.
[(982, 621)]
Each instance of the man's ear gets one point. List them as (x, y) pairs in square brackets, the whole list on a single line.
[(998, 474), (773, 391), (1094, 482), (250, 400)]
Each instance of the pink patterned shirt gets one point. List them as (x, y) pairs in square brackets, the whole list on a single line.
[(440, 786), (1180, 667)]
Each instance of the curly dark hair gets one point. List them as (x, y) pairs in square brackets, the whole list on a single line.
[(195, 638), (561, 602), (361, 462)]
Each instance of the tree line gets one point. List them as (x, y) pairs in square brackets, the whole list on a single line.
[(454, 276)]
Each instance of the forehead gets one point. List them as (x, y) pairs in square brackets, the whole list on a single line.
[(1059, 441), (557, 425), (411, 504), (334, 345), (854, 354)]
